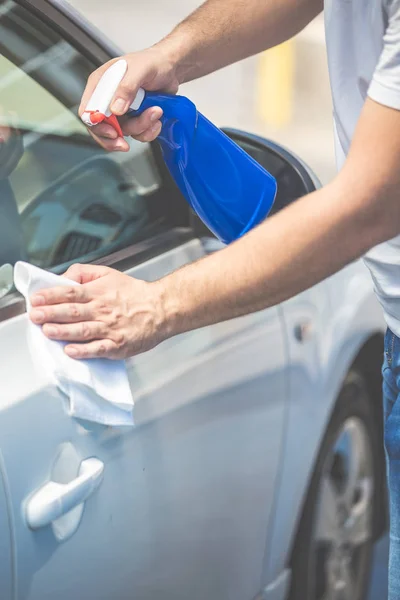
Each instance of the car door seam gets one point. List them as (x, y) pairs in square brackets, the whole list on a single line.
[(7, 493)]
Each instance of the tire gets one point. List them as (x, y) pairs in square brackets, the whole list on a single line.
[(333, 549)]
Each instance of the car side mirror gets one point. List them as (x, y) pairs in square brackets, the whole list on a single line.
[(293, 176)]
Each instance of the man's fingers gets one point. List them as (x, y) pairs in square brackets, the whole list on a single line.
[(97, 349), (86, 273), (60, 295), (62, 313), (111, 145), (126, 92), (103, 130), (77, 272), (76, 332), (138, 125), (151, 134)]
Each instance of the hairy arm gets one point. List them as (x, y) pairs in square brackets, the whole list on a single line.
[(221, 32), (304, 243)]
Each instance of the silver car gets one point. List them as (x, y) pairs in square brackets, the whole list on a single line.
[(255, 468)]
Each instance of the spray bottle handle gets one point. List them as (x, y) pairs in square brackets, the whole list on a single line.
[(145, 100)]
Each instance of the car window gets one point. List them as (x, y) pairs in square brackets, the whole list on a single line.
[(62, 198)]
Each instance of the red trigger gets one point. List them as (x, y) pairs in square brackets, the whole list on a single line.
[(113, 121)]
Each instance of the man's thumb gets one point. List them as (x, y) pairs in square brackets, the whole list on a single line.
[(86, 273), (126, 92)]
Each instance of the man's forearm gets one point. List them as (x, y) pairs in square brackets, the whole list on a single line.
[(285, 255), (221, 32), (301, 245)]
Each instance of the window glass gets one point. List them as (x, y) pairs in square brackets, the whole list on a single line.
[(62, 198)]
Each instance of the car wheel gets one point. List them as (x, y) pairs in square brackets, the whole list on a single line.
[(333, 549)]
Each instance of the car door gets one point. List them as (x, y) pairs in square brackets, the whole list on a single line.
[(181, 503)]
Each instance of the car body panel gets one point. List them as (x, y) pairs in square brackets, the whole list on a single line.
[(188, 491), (342, 322)]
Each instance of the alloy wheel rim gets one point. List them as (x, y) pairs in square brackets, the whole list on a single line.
[(343, 523)]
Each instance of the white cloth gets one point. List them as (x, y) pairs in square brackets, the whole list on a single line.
[(98, 389), (363, 45)]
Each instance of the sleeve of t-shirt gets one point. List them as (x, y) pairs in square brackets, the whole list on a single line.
[(385, 84)]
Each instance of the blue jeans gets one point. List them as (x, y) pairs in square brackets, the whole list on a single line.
[(391, 404)]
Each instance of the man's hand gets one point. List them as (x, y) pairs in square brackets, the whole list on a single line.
[(153, 69), (111, 315)]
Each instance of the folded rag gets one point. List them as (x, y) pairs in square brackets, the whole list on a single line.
[(98, 389)]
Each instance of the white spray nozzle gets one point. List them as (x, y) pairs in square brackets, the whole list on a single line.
[(98, 107)]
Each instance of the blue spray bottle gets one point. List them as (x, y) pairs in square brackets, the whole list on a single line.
[(227, 188)]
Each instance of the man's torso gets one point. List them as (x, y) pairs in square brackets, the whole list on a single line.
[(355, 31)]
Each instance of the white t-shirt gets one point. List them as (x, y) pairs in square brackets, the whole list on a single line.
[(363, 45)]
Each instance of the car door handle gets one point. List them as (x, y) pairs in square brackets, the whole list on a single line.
[(303, 331), (54, 499)]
